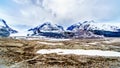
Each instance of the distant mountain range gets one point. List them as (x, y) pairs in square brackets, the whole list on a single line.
[(79, 30), (86, 29)]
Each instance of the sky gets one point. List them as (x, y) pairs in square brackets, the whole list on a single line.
[(29, 13)]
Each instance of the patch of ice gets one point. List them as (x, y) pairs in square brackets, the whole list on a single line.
[(80, 52)]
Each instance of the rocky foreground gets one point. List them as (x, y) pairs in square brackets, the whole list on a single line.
[(21, 53)]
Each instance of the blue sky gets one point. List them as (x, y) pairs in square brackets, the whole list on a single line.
[(30, 13)]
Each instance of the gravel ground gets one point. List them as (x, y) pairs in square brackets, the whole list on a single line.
[(21, 53)]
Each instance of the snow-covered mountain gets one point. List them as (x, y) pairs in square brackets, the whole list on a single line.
[(91, 25), (107, 30), (47, 29)]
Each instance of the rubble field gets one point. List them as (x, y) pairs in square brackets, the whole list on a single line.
[(21, 53)]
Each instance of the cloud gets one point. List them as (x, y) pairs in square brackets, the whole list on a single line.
[(66, 12), (82, 9)]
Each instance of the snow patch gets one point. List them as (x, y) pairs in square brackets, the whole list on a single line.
[(80, 52), (53, 39)]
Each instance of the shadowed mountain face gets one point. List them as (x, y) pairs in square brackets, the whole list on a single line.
[(5, 30)]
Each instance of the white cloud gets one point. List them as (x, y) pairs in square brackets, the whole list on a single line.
[(66, 12), (82, 9)]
